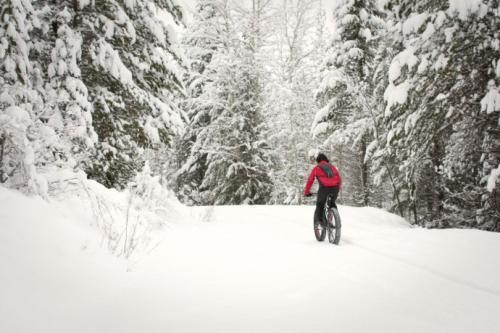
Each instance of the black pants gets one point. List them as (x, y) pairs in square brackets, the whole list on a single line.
[(323, 192)]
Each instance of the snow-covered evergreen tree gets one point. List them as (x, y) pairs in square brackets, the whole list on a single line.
[(343, 120), (131, 69), (67, 108), (224, 157), (72, 66), (205, 37), (238, 162), (23, 135), (433, 118)]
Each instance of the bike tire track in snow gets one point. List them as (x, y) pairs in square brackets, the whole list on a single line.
[(440, 274)]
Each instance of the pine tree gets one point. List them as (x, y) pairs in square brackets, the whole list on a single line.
[(237, 160), (226, 160), (132, 72), (434, 95), (23, 136), (55, 92), (68, 109), (204, 38), (343, 119)]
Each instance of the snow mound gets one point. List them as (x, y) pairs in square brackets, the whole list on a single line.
[(375, 217)]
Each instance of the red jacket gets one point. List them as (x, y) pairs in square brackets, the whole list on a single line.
[(323, 180)]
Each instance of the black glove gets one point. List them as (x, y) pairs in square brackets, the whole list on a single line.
[(309, 195)]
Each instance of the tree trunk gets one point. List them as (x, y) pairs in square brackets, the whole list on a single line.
[(488, 215), (364, 173), (2, 149)]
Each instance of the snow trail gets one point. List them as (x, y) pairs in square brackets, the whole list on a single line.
[(247, 269)]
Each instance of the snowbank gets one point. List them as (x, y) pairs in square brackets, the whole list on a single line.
[(52, 264)]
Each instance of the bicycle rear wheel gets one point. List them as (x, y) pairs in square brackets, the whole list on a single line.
[(334, 225), (319, 231)]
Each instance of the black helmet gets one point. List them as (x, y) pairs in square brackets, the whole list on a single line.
[(322, 157)]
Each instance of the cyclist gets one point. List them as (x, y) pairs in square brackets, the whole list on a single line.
[(329, 183)]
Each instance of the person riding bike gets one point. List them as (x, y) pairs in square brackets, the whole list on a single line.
[(329, 183)]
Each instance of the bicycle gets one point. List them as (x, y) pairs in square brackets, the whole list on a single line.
[(332, 227)]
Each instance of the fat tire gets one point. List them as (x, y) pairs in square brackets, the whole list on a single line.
[(334, 226), (320, 234), (338, 227)]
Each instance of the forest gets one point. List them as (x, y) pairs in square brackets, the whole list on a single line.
[(222, 102)]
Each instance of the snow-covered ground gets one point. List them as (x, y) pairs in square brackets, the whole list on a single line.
[(243, 269)]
